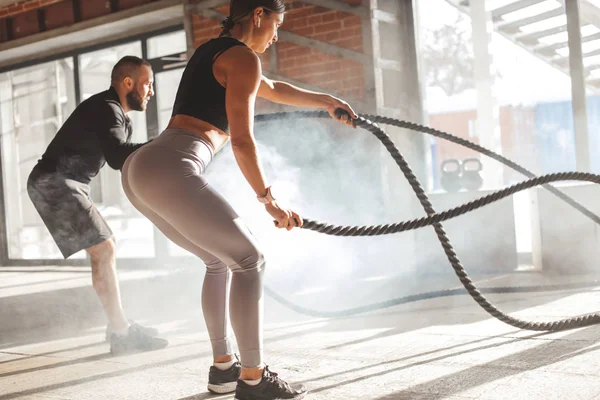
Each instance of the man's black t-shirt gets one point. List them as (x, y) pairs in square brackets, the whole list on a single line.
[(97, 132)]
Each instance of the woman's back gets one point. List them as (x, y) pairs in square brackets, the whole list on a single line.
[(200, 95)]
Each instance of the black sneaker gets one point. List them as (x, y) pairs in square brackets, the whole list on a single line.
[(136, 340), (220, 382), (147, 330), (271, 387)]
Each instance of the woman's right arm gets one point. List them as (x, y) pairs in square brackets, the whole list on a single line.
[(242, 79)]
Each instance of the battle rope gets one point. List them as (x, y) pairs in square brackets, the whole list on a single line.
[(434, 219)]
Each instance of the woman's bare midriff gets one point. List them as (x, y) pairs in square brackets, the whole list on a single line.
[(215, 136)]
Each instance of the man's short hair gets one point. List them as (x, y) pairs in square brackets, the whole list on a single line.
[(126, 67)]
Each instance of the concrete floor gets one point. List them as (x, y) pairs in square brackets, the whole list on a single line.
[(52, 331)]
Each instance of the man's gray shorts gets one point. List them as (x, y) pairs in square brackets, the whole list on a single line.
[(67, 211)]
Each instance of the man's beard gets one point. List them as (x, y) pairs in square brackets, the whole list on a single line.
[(135, 101)]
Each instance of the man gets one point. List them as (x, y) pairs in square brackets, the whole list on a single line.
[(97, 132)]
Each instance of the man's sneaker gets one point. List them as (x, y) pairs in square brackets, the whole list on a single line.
[(147, 330), (220, 382), (135, 340), (271, 387)]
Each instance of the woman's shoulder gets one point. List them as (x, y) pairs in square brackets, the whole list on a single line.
[(239, 54), (222, 41), (218, 46)]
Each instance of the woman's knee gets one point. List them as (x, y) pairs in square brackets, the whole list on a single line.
[(254, 259), (215, 267)]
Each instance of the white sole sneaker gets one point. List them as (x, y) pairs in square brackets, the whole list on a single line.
[(222, 388)]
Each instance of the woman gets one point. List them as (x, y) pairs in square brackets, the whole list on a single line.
[(164, 180)]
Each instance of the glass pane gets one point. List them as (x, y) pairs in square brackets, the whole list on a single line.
[(166, 87), (166, 84), (34, 102), (132, 230), (94, 75), (531, 116), (170, 43)]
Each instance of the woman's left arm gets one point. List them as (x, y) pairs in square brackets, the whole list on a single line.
[(285, 93)]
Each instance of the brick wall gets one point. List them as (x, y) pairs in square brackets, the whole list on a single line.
[(28, 17), (317, 68), (330, 73), (303, 64), (24, 5)]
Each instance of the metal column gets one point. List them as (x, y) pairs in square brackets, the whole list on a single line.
[(580, 124), (3, 225), (370, 48), (188, 25), (395, 81), (487, 124), (394, 86)]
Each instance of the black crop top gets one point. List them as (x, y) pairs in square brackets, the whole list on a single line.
[(199, 94)]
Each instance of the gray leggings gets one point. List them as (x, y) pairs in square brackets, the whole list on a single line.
[(164, 181)]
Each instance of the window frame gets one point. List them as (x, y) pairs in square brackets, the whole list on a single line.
[(159, 64)]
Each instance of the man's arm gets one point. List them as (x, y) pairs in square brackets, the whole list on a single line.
[(111, 131)]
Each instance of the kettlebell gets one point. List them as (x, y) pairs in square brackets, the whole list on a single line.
[(451, 170), (471, 178)]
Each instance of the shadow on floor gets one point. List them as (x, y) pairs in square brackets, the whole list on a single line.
[(547, 353)]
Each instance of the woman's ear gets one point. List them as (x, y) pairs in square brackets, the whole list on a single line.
[(258, 14)]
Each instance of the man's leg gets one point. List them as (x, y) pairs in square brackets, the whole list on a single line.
[(104, 279), (125, 337), (75, 224)]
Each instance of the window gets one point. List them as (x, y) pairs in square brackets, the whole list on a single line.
[(34, 102), (166, 85), (133, 231), (167, 44)]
